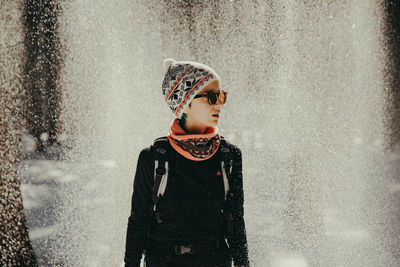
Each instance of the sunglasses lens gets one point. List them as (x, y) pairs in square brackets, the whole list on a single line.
[(212, 98), (222, 96)]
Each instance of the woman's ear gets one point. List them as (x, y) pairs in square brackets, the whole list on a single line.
[(187, 108)]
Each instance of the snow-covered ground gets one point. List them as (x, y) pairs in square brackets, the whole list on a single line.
[(59, 208)]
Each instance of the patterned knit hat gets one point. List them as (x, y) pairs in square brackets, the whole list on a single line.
[(183, 80)]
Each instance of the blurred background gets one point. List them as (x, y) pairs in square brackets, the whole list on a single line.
[(314, 105)]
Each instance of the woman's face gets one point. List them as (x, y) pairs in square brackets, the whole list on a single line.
[(200, 112)]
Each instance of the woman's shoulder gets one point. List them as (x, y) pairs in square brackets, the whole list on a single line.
[(231, 146), (159, 142), (145, 154)]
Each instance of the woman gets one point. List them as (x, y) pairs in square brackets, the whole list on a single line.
[(187, 204)]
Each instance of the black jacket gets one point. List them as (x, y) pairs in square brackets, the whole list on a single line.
[(191, 206)]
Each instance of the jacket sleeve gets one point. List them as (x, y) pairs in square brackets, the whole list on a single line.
[(141, 210), (238, 242)]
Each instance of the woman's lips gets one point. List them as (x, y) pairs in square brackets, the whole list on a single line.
[(216, 115)]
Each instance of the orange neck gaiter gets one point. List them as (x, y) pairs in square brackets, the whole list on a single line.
[(193, 146)]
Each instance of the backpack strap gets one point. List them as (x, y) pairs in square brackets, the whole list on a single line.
[(161, 154), (160, 148), (226, 166)]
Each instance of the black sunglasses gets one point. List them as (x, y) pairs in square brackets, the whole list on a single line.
[(213, 97)]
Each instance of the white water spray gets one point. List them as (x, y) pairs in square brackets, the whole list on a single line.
[(305, 85)]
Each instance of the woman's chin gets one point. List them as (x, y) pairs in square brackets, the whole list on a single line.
[(214, 123)]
